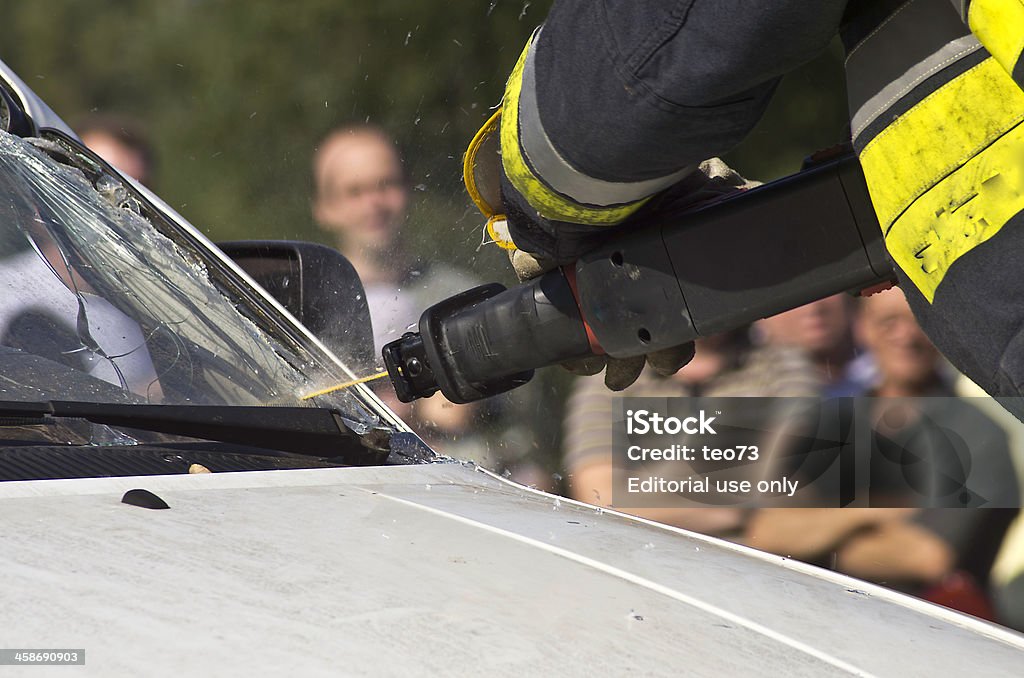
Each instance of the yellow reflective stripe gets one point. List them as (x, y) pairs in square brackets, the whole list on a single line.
[(548, 203), (944, 176), (999, 25), (962, 211), (939, 134)]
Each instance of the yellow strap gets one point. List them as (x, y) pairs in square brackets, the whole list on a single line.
[(347, 384), (548, 203), (999, 26), (946, 176), (497, 230), (469, 165)]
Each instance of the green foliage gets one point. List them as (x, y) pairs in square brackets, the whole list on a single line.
[(236, 94)]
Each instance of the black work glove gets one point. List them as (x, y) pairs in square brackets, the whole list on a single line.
[(556, 243), (536, 244)]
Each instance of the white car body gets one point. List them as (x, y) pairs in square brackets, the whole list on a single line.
[(437, 569)]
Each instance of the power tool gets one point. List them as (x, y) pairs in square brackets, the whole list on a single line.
[(751, 255)]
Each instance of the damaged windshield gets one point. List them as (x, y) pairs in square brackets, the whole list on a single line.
[(98, 304)]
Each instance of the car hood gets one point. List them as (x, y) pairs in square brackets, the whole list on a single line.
[(440, 569)]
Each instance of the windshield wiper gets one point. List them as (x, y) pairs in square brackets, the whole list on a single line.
[(311, 431)]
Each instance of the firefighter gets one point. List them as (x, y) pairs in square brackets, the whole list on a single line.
[(613, 107)]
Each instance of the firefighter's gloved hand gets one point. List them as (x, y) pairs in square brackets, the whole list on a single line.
[(621, 372), (536, 244), (618, 372)]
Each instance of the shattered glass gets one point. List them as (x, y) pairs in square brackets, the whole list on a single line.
[(100, 303)]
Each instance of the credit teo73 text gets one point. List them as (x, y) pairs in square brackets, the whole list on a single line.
[(684, 453), (644, 421)]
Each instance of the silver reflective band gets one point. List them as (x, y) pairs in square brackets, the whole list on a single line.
[(891, 93), (558, 173)]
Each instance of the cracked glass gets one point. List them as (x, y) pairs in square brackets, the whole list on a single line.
[(104, 299)]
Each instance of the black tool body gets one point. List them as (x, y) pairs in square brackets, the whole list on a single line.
[(667, 282)]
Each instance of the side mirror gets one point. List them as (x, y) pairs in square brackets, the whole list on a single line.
[(318, 286)]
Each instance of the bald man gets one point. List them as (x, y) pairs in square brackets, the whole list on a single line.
[(362, 199)]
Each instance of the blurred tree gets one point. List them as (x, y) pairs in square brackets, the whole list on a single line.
[(236, 95)]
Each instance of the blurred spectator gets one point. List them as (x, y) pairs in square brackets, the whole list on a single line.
[(725, 365), (362, 199), (1007, 581), (908, 363), (120, 141), (944, 554), (824, 329), (1008, 578)]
